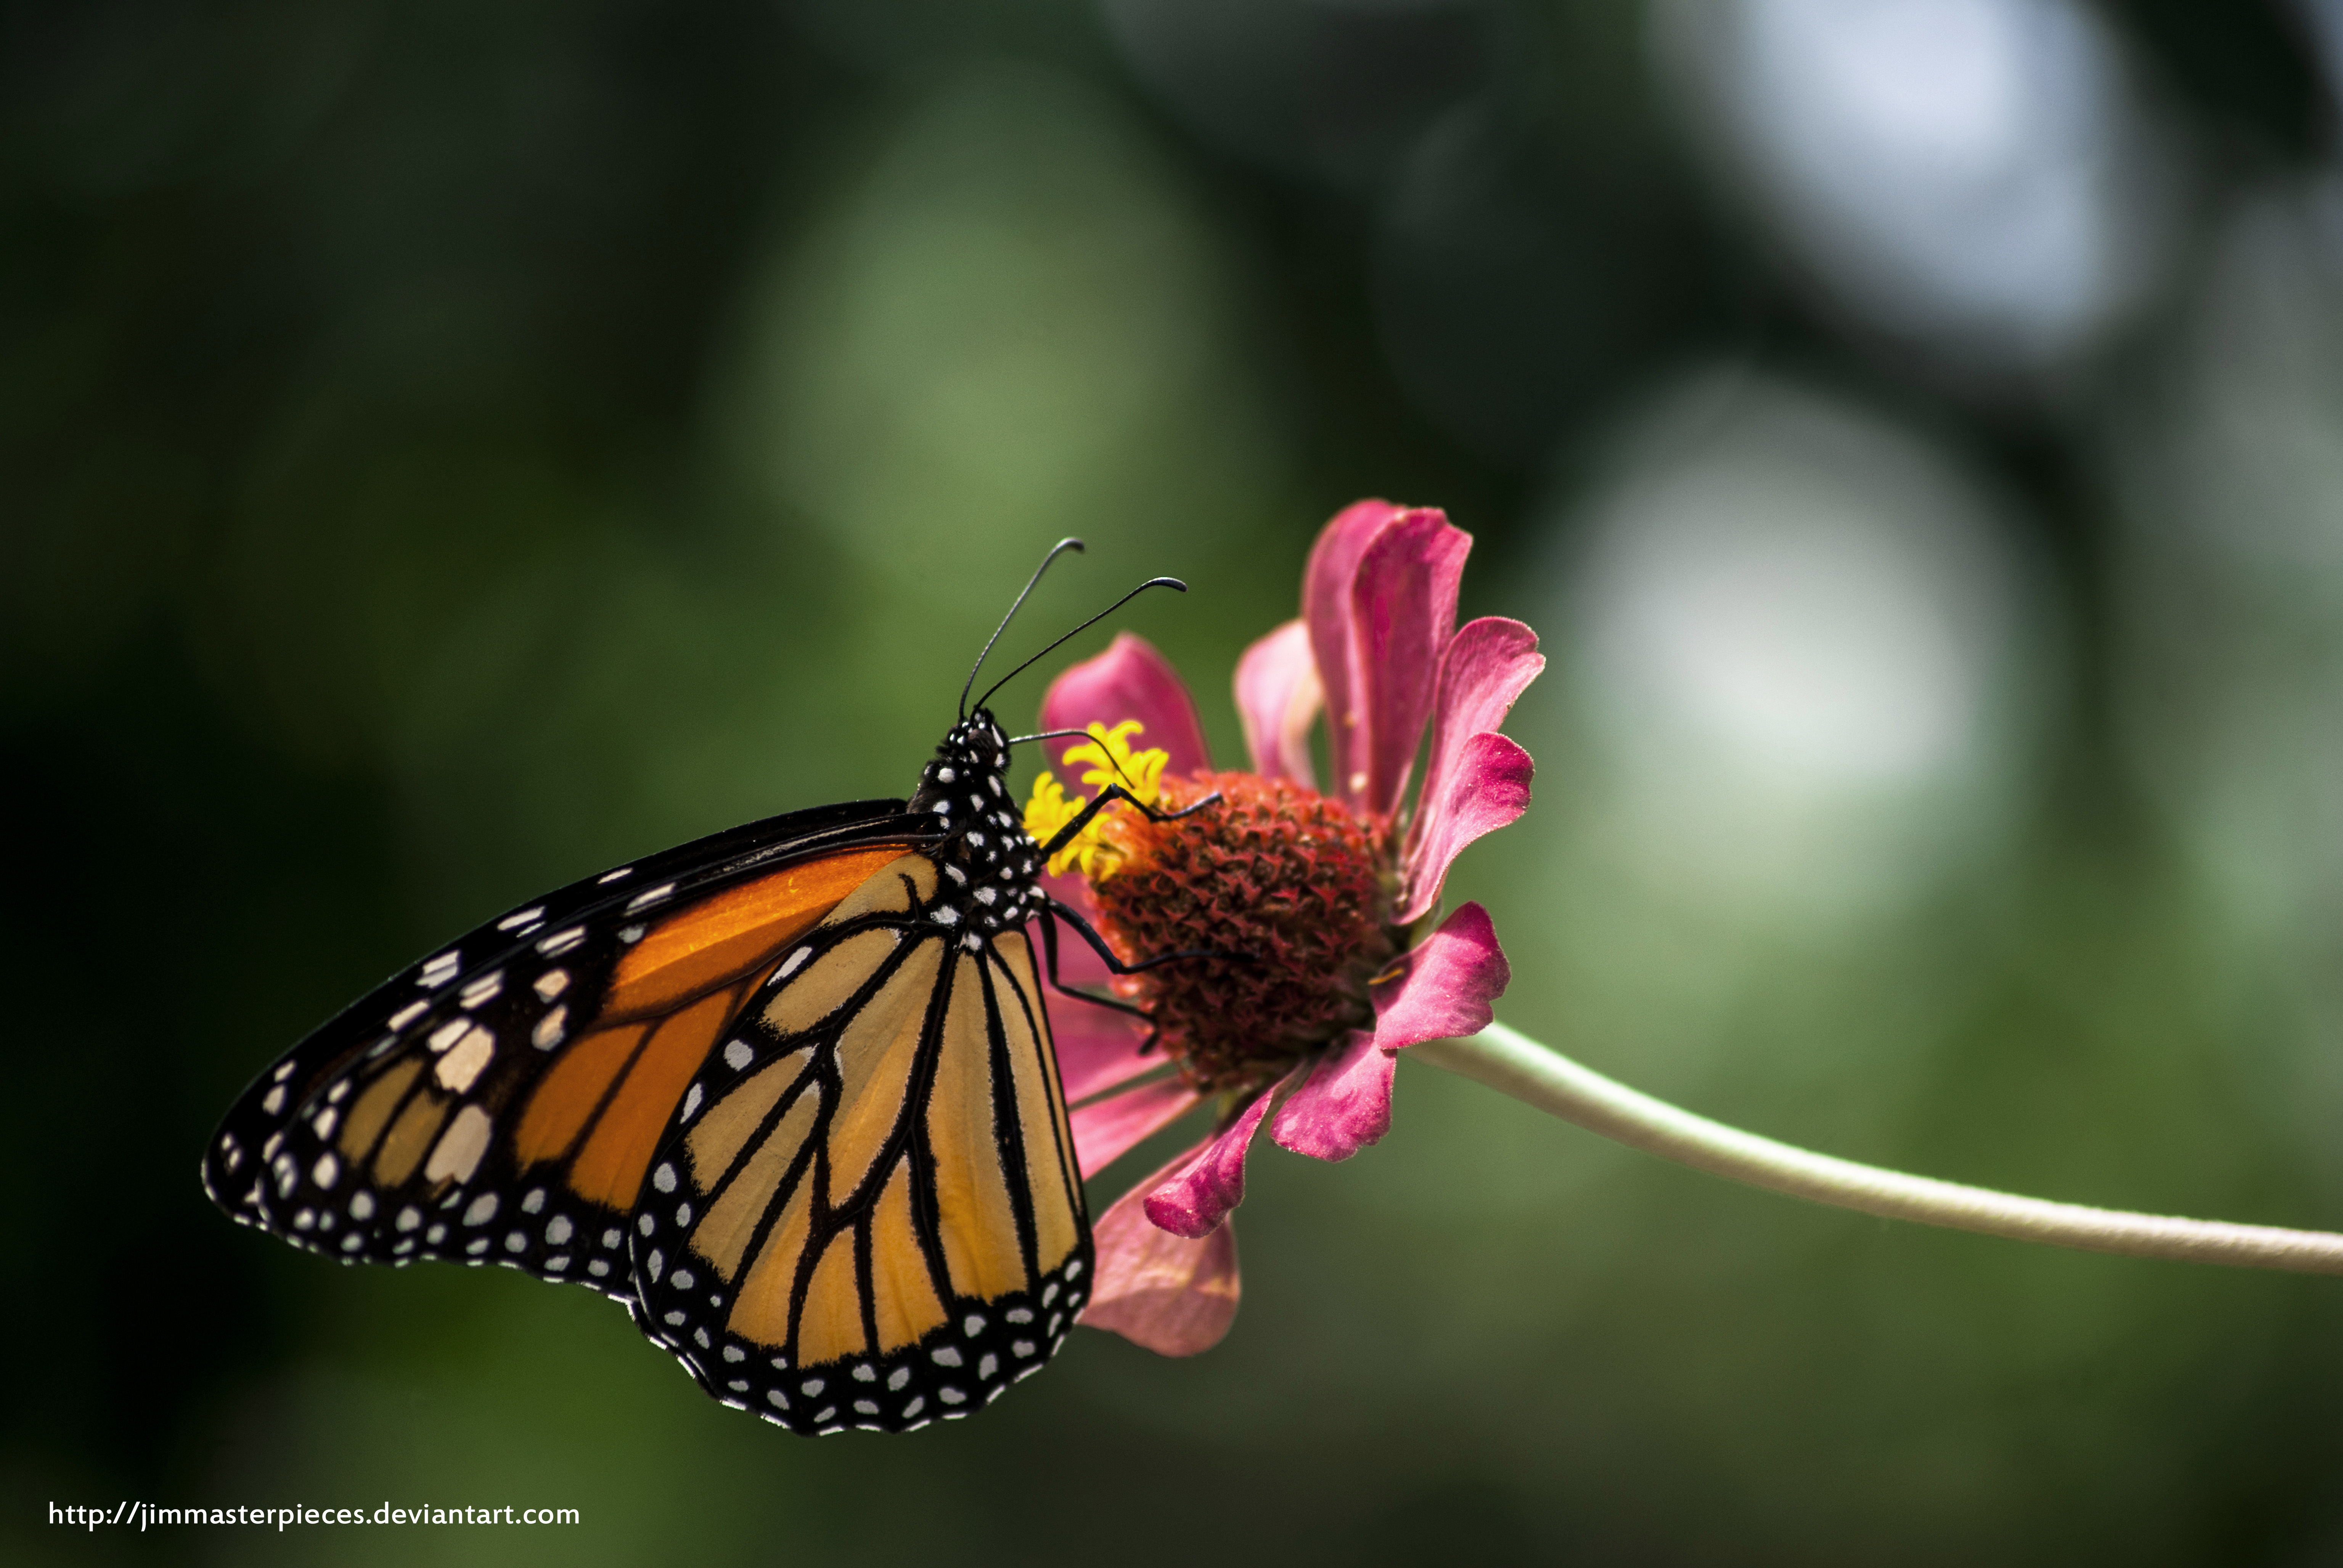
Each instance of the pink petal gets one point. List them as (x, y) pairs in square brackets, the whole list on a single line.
[(1105, 1132), (1098, 1048), (1199, 1195), (1326, 607), (1169, 1294), (1488, 787), (1278, 696), (1129, 680), (1078, 961), (1486, 666), (1451, 977), (1344, 1105), (1403, 612)]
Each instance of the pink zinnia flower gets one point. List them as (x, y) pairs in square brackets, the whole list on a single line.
[(1332, 898)]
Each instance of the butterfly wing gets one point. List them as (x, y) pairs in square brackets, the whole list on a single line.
[(867, 1208), (501, 1099)]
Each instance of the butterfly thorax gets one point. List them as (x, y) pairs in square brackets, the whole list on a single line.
[(986, 854)]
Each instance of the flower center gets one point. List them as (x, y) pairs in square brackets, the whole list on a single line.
[(1281, 874)]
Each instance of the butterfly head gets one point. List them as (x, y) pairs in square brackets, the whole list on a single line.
[(986, 852)]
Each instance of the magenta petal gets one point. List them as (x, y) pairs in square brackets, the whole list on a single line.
[(1078, 961), (1279, 695), (1404, 611), (1129, 680), (1199, 1195), (1326, 607), (1488, 788), (1486, 666), (1450, 979), (1098, 1048), (1344, 1105), (1169, 1294), (1105, 1132)]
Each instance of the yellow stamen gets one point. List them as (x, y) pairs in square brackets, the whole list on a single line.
[(1140, 774)]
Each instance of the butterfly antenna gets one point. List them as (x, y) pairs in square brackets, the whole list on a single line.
[(1143, 587), (1061, 547)]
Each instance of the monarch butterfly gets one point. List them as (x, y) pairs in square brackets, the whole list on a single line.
[(787, 1092)]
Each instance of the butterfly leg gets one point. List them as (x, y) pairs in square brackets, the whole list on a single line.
[(1049, 963), (1108, 797), (1098, 945)]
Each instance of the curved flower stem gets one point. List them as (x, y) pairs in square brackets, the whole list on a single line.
[(1514, 1064)]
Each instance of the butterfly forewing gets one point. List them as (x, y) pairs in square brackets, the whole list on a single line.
[(498, 1101)]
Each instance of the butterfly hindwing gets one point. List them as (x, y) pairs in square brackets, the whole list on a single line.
[(499, 1100), (865, 1211)]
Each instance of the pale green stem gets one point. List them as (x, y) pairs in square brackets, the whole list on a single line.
[(1514, 1064)]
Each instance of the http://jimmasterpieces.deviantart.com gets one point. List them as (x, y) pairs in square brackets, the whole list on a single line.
[(143, 1516)]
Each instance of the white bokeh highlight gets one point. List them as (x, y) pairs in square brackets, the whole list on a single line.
[(1970, 176), (1807, 653)]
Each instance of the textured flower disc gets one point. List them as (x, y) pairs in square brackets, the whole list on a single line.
[(1278, 873)]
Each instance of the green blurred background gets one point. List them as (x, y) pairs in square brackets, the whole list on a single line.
[(448, 449)]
